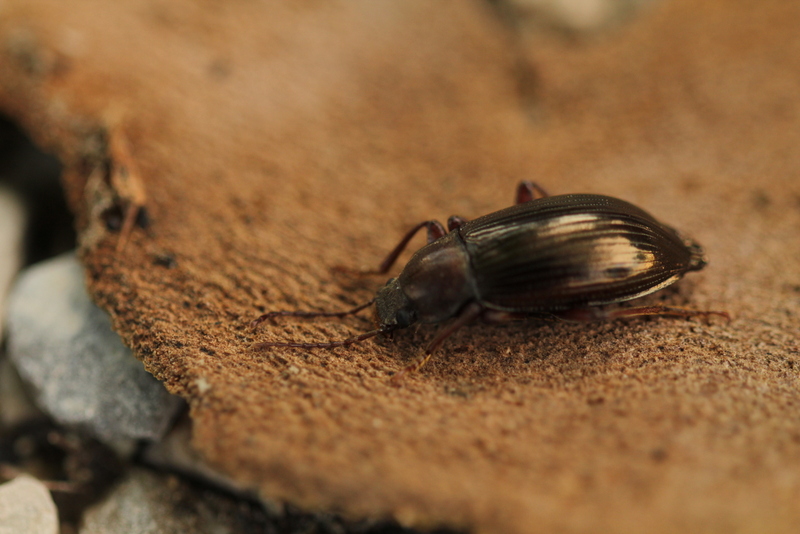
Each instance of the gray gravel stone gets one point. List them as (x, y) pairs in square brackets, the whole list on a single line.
[(79, 370), (26, 507)]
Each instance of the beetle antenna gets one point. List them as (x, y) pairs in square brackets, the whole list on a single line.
[(270, 315), (327, 345)]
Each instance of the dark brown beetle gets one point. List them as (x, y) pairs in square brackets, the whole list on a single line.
[(549, 257)]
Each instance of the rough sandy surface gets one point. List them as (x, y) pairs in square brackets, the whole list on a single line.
[(271, 143)]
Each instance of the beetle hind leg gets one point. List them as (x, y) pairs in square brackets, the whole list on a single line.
[(671, 311), (595, 314)]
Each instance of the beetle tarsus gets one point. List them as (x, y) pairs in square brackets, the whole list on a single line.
[(418, 364)]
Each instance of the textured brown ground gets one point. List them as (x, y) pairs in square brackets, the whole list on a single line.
[(276, 142)]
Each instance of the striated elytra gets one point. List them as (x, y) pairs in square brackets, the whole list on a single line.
[(561, 257)]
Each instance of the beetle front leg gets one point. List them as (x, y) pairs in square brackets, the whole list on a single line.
[(527, 191), (471, 312)]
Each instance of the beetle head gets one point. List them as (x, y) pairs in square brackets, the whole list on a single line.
[(393, 307)]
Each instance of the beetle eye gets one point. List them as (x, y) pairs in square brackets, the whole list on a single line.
[(404, 318)]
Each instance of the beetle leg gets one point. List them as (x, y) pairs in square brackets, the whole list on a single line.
[(527, 191), (593, 314), (471, 312), (435, 231), (454, 222), (498, 316), (665, 310)]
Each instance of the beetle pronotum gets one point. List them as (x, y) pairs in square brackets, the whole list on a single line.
[(559, 256)]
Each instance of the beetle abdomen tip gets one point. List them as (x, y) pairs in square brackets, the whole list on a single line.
[(697, 259)]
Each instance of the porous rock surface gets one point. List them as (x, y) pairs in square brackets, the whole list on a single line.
[(271, 142), (26, 506)]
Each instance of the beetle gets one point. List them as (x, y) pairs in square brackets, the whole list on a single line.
[(552, 257)]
